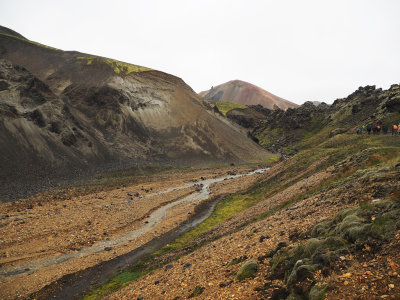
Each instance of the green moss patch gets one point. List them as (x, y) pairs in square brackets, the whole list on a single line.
[(119, 67), (225, 107)]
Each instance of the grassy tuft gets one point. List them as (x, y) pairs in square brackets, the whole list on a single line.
[(118, 282)]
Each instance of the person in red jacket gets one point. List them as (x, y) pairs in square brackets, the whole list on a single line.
[(394, 129)]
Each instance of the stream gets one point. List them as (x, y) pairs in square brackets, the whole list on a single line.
[(77, 284)]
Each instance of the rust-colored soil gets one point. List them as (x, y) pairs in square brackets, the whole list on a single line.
[(33, 235)]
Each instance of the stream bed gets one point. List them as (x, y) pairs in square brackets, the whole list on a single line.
[(75, 285)]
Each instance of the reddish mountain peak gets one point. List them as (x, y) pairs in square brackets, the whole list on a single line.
[(245, 93)]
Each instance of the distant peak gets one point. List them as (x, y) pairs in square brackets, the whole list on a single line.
[(245, 93)]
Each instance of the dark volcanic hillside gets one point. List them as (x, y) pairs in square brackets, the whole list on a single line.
[(66, 113), (298, 128), (241, 92)]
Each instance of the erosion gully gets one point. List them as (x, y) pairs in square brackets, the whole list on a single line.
[(76, 285)]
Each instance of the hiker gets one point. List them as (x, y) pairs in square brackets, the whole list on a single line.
[(394, 128), (369, 127), (378, 129), (375, 129), (384, 129), (364, 129), (358, 130)]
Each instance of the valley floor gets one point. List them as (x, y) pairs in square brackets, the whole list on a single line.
[(44, 239)]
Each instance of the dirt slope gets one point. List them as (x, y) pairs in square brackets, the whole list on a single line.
[(67, 114), (245, 93)]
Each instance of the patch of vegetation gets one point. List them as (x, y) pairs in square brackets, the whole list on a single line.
[(198, 290), (225, 209), (121, 280), (224, 107), (119, 67)]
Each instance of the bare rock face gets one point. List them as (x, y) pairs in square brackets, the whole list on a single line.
[(245, 93), (66, 114)]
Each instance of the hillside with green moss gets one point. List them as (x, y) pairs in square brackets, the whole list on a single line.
[(301, 128), (119, 67), (225, 107)]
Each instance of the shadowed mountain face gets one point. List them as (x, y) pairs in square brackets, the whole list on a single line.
[(245, 93), (66, 114)]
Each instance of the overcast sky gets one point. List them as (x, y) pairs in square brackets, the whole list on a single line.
[(299, 50)]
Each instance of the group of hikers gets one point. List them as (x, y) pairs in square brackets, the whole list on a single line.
[(377, 129)]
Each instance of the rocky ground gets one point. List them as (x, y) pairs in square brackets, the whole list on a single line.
[(37, 230), (214, 267), (322, 224)]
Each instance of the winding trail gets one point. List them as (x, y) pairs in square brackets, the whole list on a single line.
[(153, 220)]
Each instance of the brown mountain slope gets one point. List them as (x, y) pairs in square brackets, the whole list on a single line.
[(245, 93), (64, 114)]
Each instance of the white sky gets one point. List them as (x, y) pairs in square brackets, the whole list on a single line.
[(299, 50)]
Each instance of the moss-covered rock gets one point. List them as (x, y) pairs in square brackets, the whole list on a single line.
[(350, 229), (247, 270)]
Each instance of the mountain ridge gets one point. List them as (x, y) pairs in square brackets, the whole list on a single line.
[(80, 111)]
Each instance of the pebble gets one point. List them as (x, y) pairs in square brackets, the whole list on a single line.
[(225, 283)]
